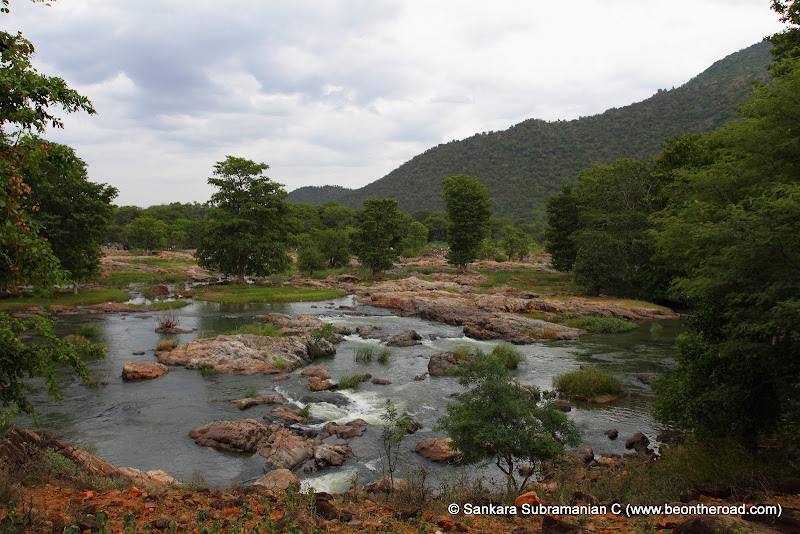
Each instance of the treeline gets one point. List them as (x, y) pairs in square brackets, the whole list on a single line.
[(712, 222)]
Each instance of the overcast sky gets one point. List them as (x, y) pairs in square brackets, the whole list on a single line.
[(342, 92)]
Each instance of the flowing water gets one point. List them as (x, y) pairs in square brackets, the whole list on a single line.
[(146, 424)]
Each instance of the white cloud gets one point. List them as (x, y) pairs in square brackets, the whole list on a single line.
[(344, 91)]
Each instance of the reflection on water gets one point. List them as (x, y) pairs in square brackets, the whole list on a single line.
[(146, 424)]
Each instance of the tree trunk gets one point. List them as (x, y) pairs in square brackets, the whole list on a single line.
[(240, 272), (75, 288)]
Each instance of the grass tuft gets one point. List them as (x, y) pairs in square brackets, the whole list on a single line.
[(602, 325), (587, 383), (383, 356), (364, 355), (238, 294), (507, 354), (208, 370), (89, 331), (167, 344), (351, 381)]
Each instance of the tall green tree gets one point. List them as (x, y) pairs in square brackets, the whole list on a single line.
[(147, 233), (28, 101), (378, 234), (734, 225), (468, 209), (562, 223), (514, 243), (417, 238), (498, 418), (71, 212), (245, 233)]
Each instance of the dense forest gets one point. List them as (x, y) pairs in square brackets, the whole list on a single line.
[(523, 165)]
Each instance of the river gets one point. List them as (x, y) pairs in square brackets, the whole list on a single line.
[(146, 424)]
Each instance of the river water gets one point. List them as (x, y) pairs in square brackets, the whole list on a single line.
[(146, 424)]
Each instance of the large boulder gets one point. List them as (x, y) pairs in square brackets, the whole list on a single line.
[(437, 450), (384, 485), (406, 338), (317, 384), (331, 454), (243, 354), (248, 435), (318, 372), (351, 429), (144, 370), (286, 450), (284, 416), (637, 442), (441, 363), (278, 479)]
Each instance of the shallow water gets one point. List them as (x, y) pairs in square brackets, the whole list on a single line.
[(146, 424)]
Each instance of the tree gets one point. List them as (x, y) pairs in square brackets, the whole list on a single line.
[(468, 208), (417, 238), (71, 212), (246, 231), (562, 223), (734, 225), (501, 419), (378, 234), (28, 100), (310, 260), (334, 245), (514, 243), (147, 233)]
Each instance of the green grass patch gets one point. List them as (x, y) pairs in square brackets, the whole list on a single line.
[(279, 363), (89, 331), (256, 329), (383, 356), (602, 325), (126, 278), (364, 355), (251, 392), (537, 281), (208, 371), (238, 294), (305, 411), (162, 305), (351, 381), (84, 298), (587, 383), (540, 316)]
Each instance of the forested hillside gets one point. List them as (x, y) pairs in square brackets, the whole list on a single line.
[(317, 195), (522, 165)]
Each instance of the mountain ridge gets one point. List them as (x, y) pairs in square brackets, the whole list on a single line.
[(522, 165)]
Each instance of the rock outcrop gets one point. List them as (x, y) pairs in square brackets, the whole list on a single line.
[(249, 402), (406, 338), (286, 450), (351, 429), (243, 354), (437, 450), (441, 363), (277, 479), (248, 435), (144, 370)]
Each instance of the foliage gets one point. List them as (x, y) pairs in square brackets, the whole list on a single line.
[(351, 381), (71, 212), (524, 164), (417, 238), (383, 356), (310, 260), (326, 331), (86, 298), (785, 44), (501, 419), (587, 383), (256, 329), (364, 355), (380, 229), (468, 209), (734, 226), (305, 411), (393, 432), (167, 344), (333, 244), (147, 233), (514, 243), (245, 232), (508, 355), (89, 331), (562, 223), (601, 325), (19, 360)]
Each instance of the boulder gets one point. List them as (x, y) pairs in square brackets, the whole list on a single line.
[(612, 433), (351, 429), (530, 498), (437, 450), (249, 402), (381, 381), (143, 371), (286, 450), (440, 364), (248, 435), (563, 405), (331, 454), (384, 485), (284, 416), (366, 331), (638, 442), (278, 479), (317, 384), (584, 453), (406, 338), (645, 378), (318, 372)]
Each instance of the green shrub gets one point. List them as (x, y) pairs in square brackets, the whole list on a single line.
[(462, 353), (602, 325), (508, 355), (89, 331), (208, 370), (326, 331), (280, 363), (167, 344), (383, 356), (500, 258), (251, 392), (587, 383), (364, 355), (257, 329), (351, 381), (305, 411)]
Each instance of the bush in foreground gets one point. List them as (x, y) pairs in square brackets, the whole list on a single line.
[(587, 383)]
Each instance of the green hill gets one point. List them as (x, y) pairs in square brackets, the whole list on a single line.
[(522, 165)]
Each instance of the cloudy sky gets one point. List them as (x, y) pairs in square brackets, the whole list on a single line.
[(342, 92)]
